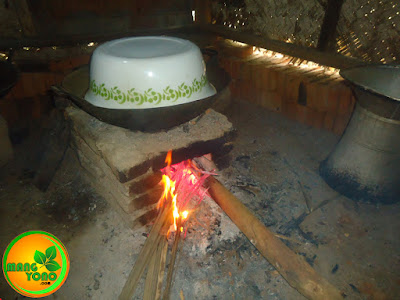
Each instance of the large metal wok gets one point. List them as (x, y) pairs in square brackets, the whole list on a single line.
[(75, 85)]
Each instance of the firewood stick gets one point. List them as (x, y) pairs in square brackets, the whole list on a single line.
[(161, 271), (297, 272), (150, 287), (145, 255), (174, 251)]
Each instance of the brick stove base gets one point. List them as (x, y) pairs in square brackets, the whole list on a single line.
[(124, 166)]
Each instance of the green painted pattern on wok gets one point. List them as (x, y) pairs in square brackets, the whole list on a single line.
[(149, 96)]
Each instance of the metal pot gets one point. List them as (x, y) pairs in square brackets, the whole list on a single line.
[(365, 164)]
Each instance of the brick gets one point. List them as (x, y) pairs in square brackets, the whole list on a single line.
[(235, 89), (323, 97), (79, 60), (270, 100), (304, 115), (133, 220), (281, 82), (340, 123), (332, 100), (130, 154), (246, 90), (39, 82), (144, 183), (269, 78), (329, 120), (313, 98), (245, 71), (61, 65), (255, 74), (346, 101), (146, 199), (291, 93), (237, 51), (236, 66), (318, 119), (226, 64), (290, 110)]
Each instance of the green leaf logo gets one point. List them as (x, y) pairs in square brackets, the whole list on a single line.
[(39, 257), (51, 252), (48, 259), (52, 265)]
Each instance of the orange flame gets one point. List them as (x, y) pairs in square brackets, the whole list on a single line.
[(169, 191), (168, 158)]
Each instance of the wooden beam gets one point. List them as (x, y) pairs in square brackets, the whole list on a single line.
[(203, 12), (328, 31), (297, 272), (25, 17), (41, 41), (307, 53)]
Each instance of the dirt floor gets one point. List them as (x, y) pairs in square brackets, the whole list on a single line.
[(274, 171)]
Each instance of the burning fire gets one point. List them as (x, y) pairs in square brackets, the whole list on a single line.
[(183, 187)]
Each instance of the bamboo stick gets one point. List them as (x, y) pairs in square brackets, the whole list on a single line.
[(145, 255), (155, 273), (161, 271), (297, 272), (174, 251), (152, 274)]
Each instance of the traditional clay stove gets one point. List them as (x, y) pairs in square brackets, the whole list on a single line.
[(123, 164)]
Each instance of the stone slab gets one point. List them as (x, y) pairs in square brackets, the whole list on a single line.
[(131, 154)]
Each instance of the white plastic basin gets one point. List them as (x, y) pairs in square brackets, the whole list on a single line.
[(147, 72)]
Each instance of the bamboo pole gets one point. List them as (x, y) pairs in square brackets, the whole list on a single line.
[(155, 272), (160, 278), (297, 272), (145, 255), (174, 251), (150, 285)]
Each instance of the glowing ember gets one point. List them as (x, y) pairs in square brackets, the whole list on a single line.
[(183, 186)]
